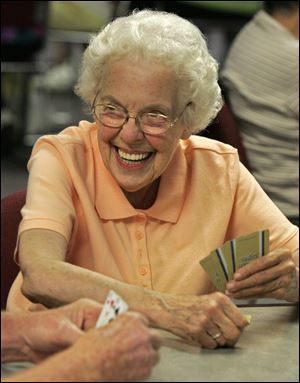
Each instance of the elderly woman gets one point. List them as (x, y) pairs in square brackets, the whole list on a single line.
[(132, 201)]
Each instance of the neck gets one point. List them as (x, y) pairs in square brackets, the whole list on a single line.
[(289, 21), (143, 198)]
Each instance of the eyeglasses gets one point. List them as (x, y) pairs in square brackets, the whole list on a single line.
[(115, 116)]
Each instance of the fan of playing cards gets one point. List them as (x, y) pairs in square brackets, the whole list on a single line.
[(222, 263)]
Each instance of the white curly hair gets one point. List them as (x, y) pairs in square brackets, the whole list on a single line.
[(164, 38)]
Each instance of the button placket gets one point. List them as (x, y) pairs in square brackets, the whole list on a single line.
[(143, 267)]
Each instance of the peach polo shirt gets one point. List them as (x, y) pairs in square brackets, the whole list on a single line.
[(206, 196)]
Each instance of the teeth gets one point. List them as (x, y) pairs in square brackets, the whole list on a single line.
[(132, 157)]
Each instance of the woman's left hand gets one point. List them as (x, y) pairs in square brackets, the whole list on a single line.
[(274, 275)]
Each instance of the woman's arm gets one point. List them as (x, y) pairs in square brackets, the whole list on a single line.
[(49, 280)]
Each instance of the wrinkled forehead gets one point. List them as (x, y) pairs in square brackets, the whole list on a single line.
[(140, 83)]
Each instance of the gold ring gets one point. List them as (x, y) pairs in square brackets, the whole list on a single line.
[(217, 336)]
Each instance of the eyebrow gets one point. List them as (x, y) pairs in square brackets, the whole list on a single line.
[(164, 109)]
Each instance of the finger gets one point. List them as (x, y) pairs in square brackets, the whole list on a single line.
[(262, 277), (217, 335), (273, 289), (206, 340), (262, 263), (229, 330), (37, 307), (229, 311), (84, 312)]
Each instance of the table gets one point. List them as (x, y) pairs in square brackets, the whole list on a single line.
[(268, 351)]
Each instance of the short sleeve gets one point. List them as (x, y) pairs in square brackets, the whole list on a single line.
[(49, 201), (253, 210)]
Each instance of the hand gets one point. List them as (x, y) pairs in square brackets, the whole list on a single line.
[(200, 318), (48, 331), (274, 275), (123, 350)]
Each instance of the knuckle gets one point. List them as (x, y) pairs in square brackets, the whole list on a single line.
[(219, 297), (233, 336), (88, 303), (203, 322), (212, 308), (259, 277), (279, 293), (286, 280), (291, 267)]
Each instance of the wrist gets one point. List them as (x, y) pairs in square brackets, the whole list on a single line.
[(156, 306)]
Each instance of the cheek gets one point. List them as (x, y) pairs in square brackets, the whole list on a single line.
[(163, 144), (160, 144), (106, 134)]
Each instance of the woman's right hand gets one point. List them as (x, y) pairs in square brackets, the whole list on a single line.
[(211, 320)]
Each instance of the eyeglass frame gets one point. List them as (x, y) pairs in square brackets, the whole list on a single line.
[(136, 117)]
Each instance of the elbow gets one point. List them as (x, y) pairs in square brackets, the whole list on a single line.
[(31, 285)]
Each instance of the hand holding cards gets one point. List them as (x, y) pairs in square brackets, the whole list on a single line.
[(113, 306), (223, 262)]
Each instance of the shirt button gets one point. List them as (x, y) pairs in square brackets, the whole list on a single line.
[(143, 270), (139, 235)]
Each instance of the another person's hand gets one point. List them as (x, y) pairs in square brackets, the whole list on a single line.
[(46, 332), (274, 275), (123, 350), (210, 320)]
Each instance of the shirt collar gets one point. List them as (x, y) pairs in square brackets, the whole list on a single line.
[(111, 203)]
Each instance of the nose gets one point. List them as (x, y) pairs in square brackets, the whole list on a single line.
[(130, 131)]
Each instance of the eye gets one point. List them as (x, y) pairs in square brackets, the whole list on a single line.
[(112, 111), (154, 119)]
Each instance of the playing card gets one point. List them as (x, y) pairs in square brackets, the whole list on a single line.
[(249, 247), (214, 266), (113, 306), (222, 263), (229, 258)]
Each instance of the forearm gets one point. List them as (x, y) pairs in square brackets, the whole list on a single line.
[(66, 283), (43, 252)]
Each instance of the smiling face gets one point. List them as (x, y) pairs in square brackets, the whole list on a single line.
[(136, 159)]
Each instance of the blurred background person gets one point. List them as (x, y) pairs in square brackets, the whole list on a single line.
[(261, 80)]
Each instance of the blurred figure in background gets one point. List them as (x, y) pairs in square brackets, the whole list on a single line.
[(261, 81)]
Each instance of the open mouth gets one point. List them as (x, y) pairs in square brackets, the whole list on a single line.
[(133, 158)]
